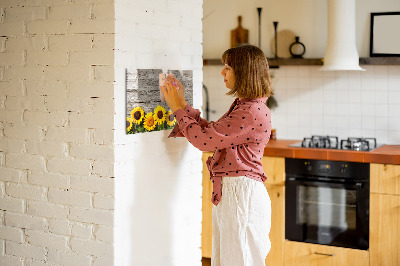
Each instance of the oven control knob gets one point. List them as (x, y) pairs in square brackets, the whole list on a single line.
[(343, 168)]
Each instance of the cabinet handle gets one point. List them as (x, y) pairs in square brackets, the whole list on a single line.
[(325, 254)]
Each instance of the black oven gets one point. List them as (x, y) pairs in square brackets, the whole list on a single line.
[(327, 202)]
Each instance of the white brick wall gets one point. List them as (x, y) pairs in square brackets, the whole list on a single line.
[(56, 132)]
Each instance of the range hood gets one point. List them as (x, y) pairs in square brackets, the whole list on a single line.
[(341, 51)]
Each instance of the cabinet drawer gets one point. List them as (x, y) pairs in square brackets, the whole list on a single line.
[(305, 254), (385, 178), (274, 168)]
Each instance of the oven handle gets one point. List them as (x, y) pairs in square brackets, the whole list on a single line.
[(357, 185)]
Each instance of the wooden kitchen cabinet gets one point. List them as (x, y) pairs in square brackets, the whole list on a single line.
[(305, 254), (274, 168), (384, 236)]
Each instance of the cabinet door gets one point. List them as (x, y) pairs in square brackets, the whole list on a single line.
[(384, 229), (277, 233), (304, 254), (274, 168), (385, 178), (206, 232)]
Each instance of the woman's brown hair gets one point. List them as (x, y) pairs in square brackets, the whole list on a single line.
[(250, 66)]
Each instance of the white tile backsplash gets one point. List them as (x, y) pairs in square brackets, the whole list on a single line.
[(343, 103)]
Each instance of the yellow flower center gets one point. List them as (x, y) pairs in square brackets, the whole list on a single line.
[(150, 121)]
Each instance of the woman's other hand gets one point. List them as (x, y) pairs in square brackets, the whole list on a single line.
[(172, 94), (181, 92)]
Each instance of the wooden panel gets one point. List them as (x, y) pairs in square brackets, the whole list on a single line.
[(385, 178), (277, 233), (304, 254), (206, 232), (274, 168), (384, 229)]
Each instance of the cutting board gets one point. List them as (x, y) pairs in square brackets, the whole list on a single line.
[(239, 35)]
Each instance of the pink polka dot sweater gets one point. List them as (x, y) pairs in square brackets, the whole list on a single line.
[(238, 139)]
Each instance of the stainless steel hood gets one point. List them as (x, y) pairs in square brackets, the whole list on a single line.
[(341, 51)]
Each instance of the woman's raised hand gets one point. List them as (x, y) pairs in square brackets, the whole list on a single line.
[(173, 95)]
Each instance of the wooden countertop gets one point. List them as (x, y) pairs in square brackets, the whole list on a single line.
[(389, 154)]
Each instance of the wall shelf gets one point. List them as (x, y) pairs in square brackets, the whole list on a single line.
[(274, 63)]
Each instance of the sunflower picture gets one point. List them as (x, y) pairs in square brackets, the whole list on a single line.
[(146, 110)]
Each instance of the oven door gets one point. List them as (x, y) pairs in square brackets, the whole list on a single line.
[(327, 213)]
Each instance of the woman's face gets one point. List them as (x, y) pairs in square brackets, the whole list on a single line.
[(229, 76)]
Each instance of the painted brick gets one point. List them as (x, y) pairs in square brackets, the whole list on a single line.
[(71, 42), (92, 120), (104, 169), (101, 136), (24, 132), (25, 161), (11, 88), (10, 174), (92, 151), (46, 209), (11, 59), (104, 73), (91, 58), (12, 204), (91, 89), (44, 27), (104, 233), (25, 103), (46, 88), (25, 250), (60, 227), (48, 179), (103, 11), (46, 58), (91, 247), (95, 216), (69, 197), (12, 146), (46, 2), (103, 202), (2, 158), (11, 29), (11, 116), (64, 134), (25, 221), (69, 166), (12, 234), (11, 260), (25, 191), (2, 222), (81, 73), (24, 13), (47, 240), (68, 258), (24, 73), (103, 41), (56, 103), (46, 118), (56, 149), (105, 260), (82, 230), (70, 12), (32, 262), (91, 26), (21, 43), (93, 184)]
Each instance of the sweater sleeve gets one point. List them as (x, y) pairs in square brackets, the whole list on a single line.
[(193, 113), (229, 131)]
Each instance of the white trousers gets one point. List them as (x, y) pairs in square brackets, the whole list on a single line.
[(241, 223)]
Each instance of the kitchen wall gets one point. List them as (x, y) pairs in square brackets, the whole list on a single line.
[(158, 180), (56, 132), (342, 103)]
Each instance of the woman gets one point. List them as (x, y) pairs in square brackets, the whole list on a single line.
[(242, 208)]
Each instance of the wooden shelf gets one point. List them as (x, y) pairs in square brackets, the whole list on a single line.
[(274, 63)]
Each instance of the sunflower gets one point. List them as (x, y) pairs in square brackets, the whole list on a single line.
[(149, 121), (170, 119), (137, 115), (129, 124), (160, 114)]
